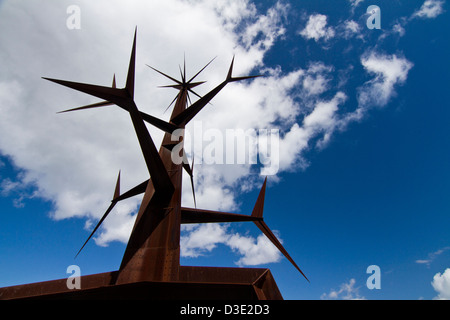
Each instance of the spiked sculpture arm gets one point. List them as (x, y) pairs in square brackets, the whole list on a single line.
[(189, 113), (124, 98), (189, 215)]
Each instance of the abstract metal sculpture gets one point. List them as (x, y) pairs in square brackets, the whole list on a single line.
[(152, 254)]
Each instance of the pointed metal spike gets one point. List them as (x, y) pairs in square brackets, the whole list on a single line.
[(189, 113), (181, 73), (114, 81), (160, 124), (191, 215), (174, 80), (190, 172), (133, 192), (131, 68), (111, 206), (201, 70), (259, 205), (243, 78), (199, 96), (230, 77), (123, 98), (117, 190), (186, 164), (112, 95), (193, 192), (175, 86), (265, 229), (184, 68), (189, 98), (230, 71), (192, 91), (94, 105), (90, 106), (171, 102), (192, 181), (257, 213), (195, 84)]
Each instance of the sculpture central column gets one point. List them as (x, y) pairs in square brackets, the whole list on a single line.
[(153, 251)]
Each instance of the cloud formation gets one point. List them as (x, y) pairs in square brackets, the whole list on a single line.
[(430, 9), (72, 159), (432, 256), (441, 284), (202, 239), (316, 28), (346, 291), (389, 71)]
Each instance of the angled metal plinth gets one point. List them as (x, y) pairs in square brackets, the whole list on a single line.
[(194, 283)]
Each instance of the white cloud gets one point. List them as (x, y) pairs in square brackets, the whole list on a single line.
[(399, 29), (254, 251), (316, 78), (351, 28), (198, 240), (355, 3), (322, 121), (73, 159), (268, 25), (202, 238), (7, 185), (430, 9), (441, 284), (389, 71), (316, 28), (432, 256), (323, 116), (347, 291)]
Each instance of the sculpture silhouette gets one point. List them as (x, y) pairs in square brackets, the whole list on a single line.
[(153, 250)]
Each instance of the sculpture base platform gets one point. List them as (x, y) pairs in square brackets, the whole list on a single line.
[(195, 283)]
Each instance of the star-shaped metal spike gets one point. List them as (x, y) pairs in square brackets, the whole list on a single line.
[(187, 115)]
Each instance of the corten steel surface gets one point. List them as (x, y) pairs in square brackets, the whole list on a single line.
[(205, 283), (150, 267)]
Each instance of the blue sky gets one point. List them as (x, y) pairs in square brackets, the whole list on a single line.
[(363, 119)]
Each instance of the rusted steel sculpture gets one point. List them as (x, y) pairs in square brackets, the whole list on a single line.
[(150, 267)]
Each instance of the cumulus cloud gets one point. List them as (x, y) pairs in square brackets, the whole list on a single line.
[(72, 160), (316, 28), (350, 28), (430, 9), (389, 71), (316, 78), (441, 284), (254, 251), (202, 239), (346, 291)]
